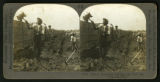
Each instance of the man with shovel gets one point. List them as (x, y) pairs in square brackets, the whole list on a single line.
[(74, 46)]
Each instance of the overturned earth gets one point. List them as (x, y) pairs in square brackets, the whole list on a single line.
[(122, 55)]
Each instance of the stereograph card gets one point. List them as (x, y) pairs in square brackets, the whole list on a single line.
[(80, 40)]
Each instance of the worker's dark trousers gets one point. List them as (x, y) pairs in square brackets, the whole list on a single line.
[(101, 51), (37, 43), (45, 37), (74, 46)]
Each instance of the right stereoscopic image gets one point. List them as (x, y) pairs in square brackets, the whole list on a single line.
[(113, 38)]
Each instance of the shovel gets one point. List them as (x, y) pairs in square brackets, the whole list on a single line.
[(70, 57)]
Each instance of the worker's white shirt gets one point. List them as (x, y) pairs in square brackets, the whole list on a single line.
[(39, 28), (73, 39), (139, 39), (103, 27), (109, 30)]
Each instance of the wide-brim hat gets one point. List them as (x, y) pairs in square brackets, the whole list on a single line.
[(105, 19), (39, 20), (49, 25)]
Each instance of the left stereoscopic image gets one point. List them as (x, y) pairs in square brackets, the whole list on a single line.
[(46, 38)]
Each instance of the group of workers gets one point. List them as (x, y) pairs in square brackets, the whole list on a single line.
[(104, 31), (43, 33)]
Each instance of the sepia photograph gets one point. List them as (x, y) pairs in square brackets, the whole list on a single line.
[(80, 41), (113, 38), (46, 39)]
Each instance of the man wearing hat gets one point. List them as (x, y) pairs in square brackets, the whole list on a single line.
[(74, 42), (38, 31), (49, 32), (139, 41), (116, 32), (103, 32), (45, 32)]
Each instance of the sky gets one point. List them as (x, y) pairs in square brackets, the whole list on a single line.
[(126, 17), (62, 17)]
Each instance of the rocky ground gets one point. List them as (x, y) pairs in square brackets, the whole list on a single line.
[(121, 56)]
